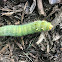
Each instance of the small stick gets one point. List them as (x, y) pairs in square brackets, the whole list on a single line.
[(11, 48), (10, 13), (4, 48), (41, 37), (48, 48), (5, 9), (19, 45), (33, 6), (22, 17), (7, 14), (40, 8)]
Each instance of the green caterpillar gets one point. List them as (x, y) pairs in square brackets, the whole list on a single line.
[(29, 28)]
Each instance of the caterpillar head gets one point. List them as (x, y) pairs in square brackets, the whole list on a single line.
[(46, 26)]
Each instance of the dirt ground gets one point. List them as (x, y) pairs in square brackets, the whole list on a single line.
[(38, 47)]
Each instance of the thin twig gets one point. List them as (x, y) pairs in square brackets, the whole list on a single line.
[(28, 57), (41, 37), (19, 45), (33, 6), (4, 48), (5, 9), (22, 17), (40, 8)]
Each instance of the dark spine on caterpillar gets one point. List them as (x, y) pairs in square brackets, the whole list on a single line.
[(21, 30)]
